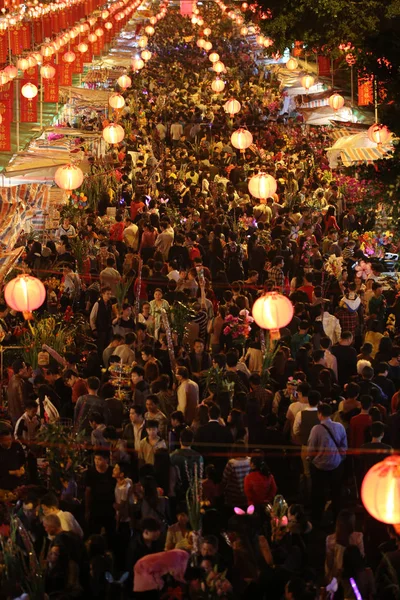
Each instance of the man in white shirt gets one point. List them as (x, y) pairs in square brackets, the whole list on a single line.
[(173, 272), (165, 239), (188, 394), (301, 403), (161, 130), (49, 505), (176, 132), (131, 234), (125, 351)]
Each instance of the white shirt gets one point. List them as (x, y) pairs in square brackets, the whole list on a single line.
[(69, 523), (297, 420), (176, 131), (173, 275), (294, 408)]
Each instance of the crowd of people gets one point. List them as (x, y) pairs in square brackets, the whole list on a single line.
[(210, 412)]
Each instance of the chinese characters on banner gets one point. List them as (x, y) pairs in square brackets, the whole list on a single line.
[(65, 73), (3, 46), (77, 65), (50, 87), (15, 40), (37, 31), (365, 90), (6, 112), (28, 107), (25, 35)]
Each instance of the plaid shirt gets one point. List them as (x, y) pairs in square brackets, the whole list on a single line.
[(348, 320), (276, 275)]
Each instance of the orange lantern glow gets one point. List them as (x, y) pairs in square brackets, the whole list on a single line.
[(146, 55), (244, 31), (218, 86), (218, 66), (124, 82), (4, 78), (38, 57), (153, 20), (200, 43), (214, 57), (379, 134), (99, 32), (29, 90), (69, 57), (32, 62), (47, 50), (47, 72), (207, 46), (307, 81), (68, 177), (149, 30), (241, 139), (82, 47), (11, 71), (207, 31), (142, 43), (116, 101), (262, 186), (105, 14), (24, 293), (272, 311), (113, 133), (137, 64), (92, 38), (336, 101), (260, 40), (22, 64), (380, 490), (108, 25), (291, 64), (232, 107)]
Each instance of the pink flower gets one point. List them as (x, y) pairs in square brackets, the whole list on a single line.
[(227, 330)]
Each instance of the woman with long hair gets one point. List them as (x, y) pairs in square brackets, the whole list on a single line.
[(354, 568), (344, 536), (153, 505)]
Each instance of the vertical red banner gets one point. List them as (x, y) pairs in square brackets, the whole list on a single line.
[(324, 66), (15, 40), (5, 127), (65, 73), (62, 19), (26, 36), (77, 65), (47, 26), (50, 87), (55, 25), (28, 107), (96, 47), (37, 31), (32, 75), (365, 90), (3, 46)]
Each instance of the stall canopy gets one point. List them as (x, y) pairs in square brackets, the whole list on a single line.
[(357, 148)]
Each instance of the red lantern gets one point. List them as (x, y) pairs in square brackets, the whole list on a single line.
[(379, 134), (24, 293), (336, 101), (380, 490), (272, 311)]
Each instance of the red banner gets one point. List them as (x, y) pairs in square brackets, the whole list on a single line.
[(32, 75), (28, 107), (55, 24), (77, 65), (26, 37), (3, 46), (6, 112), (47, 26), (324, 66), (365, 90), (65, 73), (15, 37), (37, 31), (50, 88), (95, 47)]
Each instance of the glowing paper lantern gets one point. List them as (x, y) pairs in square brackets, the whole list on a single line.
[(92, 38), (47, 50), (213, 57), (200, 43), (146, 55), (149, 30), (116, 101), (272, 311), (24, 293), (108, 25), (207, 46), (104, 14), (153, 20), (218, 66), (82, 47), (232, 107), (142, 43), (11, 71), (22, 64), (292, 64), (32, 62), (69, 57), (307, 81), (137, 64), (29, 91), (124, 82), (241, 139), (380, 490), (113, 133), (262, 186), (218, 86), (336, 101), (260, 40), (207, 31), (99, 32), (47, 72), (68, 177), (379, 134), (244, 31)]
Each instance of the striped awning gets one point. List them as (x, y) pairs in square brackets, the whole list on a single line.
[(338, 132), (356, 148), (315, 103), (353, 156), (17, 204)]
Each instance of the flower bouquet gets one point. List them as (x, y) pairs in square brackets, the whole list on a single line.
[(238, 327), (334, 266)]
